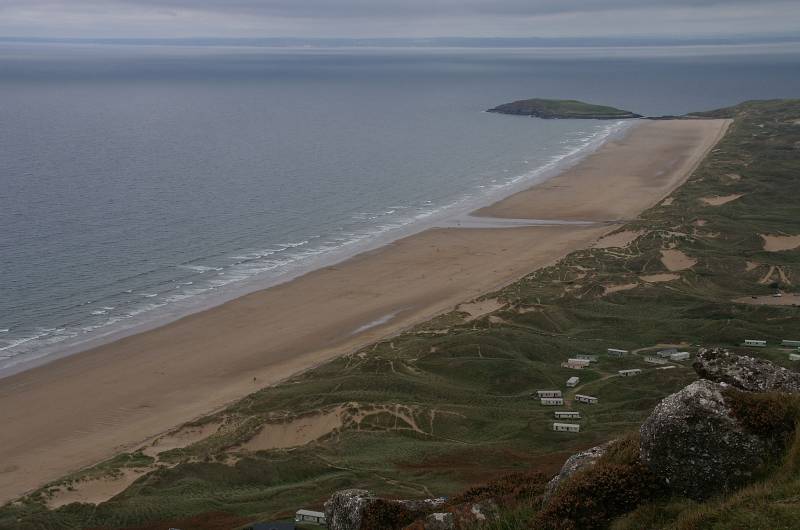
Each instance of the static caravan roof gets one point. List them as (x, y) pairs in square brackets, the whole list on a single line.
[(567, 414), (655, 360), (574, 427), (310, 513), (549, 393), (578, 362)]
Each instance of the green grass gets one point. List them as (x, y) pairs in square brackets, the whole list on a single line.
[(468, 389)]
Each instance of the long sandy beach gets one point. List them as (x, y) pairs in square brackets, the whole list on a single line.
[(81, 409)]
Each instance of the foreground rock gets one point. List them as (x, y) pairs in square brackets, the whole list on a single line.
[(744, 372), (357, 509), (695, 445), (345, 509), (575, 463)]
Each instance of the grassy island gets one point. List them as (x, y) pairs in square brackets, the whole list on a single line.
[(562, 109)]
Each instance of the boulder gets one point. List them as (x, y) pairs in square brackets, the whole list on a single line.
[(574, 464), (744, 372), (439, 521), (471, 514), (423, 505), (693, 443), (354, 509), (345, 509)]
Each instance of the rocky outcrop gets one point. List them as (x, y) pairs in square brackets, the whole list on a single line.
[(711, 437), (357, 509), (345, 509), (439, 521), (575, 463), (458, 516), (694, 444), (562, 109), (744, 372)]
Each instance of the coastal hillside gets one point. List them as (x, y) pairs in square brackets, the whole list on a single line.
[(562, 109), (449, 407)]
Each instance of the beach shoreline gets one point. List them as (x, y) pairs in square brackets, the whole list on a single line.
[(449, 215), (90, 405)]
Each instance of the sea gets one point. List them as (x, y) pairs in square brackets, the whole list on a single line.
[(142, 183)]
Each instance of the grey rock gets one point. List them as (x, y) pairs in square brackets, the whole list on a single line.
[(424, 505), (476, 512), (575, 463), (345, 509), (693, 443), (440, 521), (744, 372)]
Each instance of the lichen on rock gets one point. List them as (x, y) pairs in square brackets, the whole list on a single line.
[(695, 445), (345, 509), (745, 372), (575, 463)]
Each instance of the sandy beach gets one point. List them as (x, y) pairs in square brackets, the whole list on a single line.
[(81, 409)]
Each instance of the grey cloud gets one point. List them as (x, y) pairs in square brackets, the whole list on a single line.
[(367, 8), (359, 18)]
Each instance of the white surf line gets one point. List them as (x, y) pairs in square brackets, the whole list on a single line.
[(470, 221)]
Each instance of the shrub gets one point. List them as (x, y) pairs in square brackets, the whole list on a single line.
[(591, 498), (387, 515), (506, 490), (771, 414)]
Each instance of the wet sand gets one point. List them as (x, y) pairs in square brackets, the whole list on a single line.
[(81, 409)]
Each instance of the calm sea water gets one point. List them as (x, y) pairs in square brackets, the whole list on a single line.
[(138, 184)]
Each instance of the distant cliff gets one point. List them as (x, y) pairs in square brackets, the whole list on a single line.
[(562, 109)]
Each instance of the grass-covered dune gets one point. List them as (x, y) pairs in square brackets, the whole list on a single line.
[(563, 109), (447, 404)]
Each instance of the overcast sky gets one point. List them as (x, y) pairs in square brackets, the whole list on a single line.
[(397, 18)]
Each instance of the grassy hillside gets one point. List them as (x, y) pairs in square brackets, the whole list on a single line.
[(447, 404), (562, 108)]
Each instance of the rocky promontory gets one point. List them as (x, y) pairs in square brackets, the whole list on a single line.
[(562, 109)]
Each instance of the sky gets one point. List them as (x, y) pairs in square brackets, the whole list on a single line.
[(397, 18)]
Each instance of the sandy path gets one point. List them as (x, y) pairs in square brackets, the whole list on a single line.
[(81, 409)]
